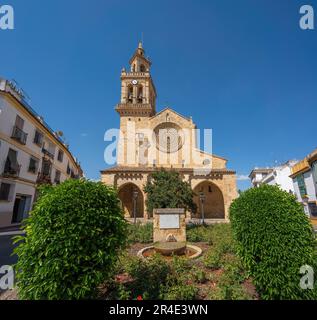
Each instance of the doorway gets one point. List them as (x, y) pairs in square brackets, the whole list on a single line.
[(21, 208)]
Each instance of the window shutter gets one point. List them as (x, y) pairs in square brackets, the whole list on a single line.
[(19, 122)]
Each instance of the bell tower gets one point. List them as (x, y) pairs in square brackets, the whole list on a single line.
[(138, 94)]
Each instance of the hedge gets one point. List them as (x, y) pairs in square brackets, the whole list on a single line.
[(275, 239), (72, 240)]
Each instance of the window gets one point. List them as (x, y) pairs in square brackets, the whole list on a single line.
[(60, 156), (57, 177), (18, 133), (33, 165), (313, 209), (209, 189), (142, 68), (46, 167), (68, 169), (140, 94), (5, 191), (11, 165), (38, 138), (49, 149), (130, 94), (301, 185), (19, 122)]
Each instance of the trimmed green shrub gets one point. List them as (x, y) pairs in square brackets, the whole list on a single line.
[(72, 240), (275, 239)]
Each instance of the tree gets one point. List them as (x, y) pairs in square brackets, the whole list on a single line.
[(275, 239), (166, 189), (72, 241)]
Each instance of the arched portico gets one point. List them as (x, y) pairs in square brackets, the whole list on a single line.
[(214, 207), (126, 197)]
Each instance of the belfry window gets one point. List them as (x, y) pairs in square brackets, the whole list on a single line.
[(130, 94), (142, 68), (140, 94)]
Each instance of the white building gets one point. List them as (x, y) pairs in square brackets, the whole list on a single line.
[(257, 174), (30, 154), (279, 175)]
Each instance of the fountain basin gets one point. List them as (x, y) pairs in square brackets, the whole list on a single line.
[(170, 248), (190, 252)]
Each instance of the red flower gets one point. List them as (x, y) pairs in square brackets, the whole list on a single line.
[(139, 298)]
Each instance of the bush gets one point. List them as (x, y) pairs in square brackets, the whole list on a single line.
[(212, 259), (274, 239), (142, 233), (179, 284), (220, 237), (147, 277), (72, 240), (199, 233)]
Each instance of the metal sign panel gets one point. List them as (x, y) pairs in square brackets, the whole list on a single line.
[(169, 221)]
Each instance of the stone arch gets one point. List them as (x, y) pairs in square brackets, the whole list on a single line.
[(125, 193), (214, 206)]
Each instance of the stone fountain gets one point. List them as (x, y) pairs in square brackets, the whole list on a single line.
[(169, 235)]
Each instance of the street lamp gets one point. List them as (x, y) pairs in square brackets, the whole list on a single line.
[(135, 194), (202, 198)]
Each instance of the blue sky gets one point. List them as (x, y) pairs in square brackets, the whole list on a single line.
[(243, 68)]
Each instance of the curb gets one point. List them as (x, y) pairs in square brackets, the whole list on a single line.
[(11, 233)]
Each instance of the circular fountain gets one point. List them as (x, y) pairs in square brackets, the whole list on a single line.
[(189, 252), (169, 234)]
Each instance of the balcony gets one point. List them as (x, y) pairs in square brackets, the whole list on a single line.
[(19, 135), (48, 153), (11, 170), (43, 178)]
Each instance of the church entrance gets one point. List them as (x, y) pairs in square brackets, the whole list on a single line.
[(213, 202), (131, 198)]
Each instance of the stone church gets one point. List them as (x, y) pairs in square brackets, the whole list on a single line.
[(151, 140)]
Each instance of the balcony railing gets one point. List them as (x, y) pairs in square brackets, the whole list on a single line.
[(133, 105), (47, 153), (11, 170), (43, 178), (19, 135)]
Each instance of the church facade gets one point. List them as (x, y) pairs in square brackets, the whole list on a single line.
[(151, 140)]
